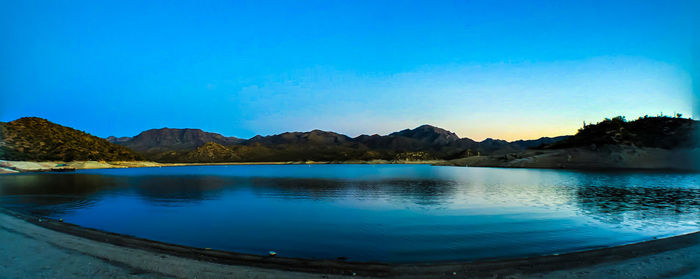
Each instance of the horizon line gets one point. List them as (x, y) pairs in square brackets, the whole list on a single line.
[(364, 134)]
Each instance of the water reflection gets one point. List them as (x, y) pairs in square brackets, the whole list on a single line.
[(394, 213), (640, 206), (47, 194), (614, 200), (57, 184), (417, 191), (594, 194), (174, 190)]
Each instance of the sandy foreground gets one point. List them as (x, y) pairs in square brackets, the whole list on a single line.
[(51, 249)]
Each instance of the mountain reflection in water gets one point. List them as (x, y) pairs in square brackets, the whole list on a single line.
[(366, 212)]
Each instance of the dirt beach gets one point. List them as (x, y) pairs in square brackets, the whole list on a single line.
[(52, 249), (604, 157)]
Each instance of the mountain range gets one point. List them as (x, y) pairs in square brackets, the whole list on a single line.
[(422, 143), (32, 138)]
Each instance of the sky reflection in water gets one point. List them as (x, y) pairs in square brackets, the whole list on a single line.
[(396, 213)]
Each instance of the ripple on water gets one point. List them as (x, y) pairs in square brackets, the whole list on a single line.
[(397, 213)]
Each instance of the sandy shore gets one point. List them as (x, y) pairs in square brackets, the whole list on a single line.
[(51, 249), (604, 157), (29, 166)]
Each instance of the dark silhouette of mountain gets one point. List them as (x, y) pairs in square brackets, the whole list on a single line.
[(315, 145), (163, 140), (193, 145), (526, 144), (428, 134), (437, 141), (422, 143), (36, 139), (490, 145), (315, 137)]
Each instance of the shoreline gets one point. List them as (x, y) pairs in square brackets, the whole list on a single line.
[(606, 157), (14, 167), (7, 167), (672, 256)]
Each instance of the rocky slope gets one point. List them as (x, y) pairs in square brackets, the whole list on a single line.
[(161, 140), (658, 132), (37, 139), (422, 143), (645, 143), (428, 134)]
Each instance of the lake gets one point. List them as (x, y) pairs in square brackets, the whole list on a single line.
[(388, 213)]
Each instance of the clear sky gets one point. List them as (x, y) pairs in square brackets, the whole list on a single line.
[(500, 69)]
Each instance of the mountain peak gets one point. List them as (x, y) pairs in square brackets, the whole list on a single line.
[(314, 137), (428, 133), (155, 140)]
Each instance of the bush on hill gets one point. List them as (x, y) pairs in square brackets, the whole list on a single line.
[(37, 139), (660, 131)]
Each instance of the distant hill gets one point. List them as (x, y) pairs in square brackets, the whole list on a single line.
[(543, 141), (660, 132), (435, 141), (162, 140), (37, 139), (422, 143), (428, 134), (645, 143), (315, 137), (315, 145)]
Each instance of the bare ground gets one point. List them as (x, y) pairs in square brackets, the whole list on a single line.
[(603, 157)]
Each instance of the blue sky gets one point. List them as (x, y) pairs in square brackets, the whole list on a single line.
[(501, 69)]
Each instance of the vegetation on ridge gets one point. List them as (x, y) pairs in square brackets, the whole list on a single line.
[(659, 131), (422, 143), (37, 139)]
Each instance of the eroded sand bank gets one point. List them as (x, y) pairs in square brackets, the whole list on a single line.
[(58, 250), (605, 157)]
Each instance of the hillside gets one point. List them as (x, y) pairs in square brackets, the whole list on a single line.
[(166, 139), (315, 137), (422, 143), (645, 143), (660, 132), (428, 134), (37, 139), (526, 144)]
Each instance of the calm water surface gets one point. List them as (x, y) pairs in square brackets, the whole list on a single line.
[(392, 213)]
